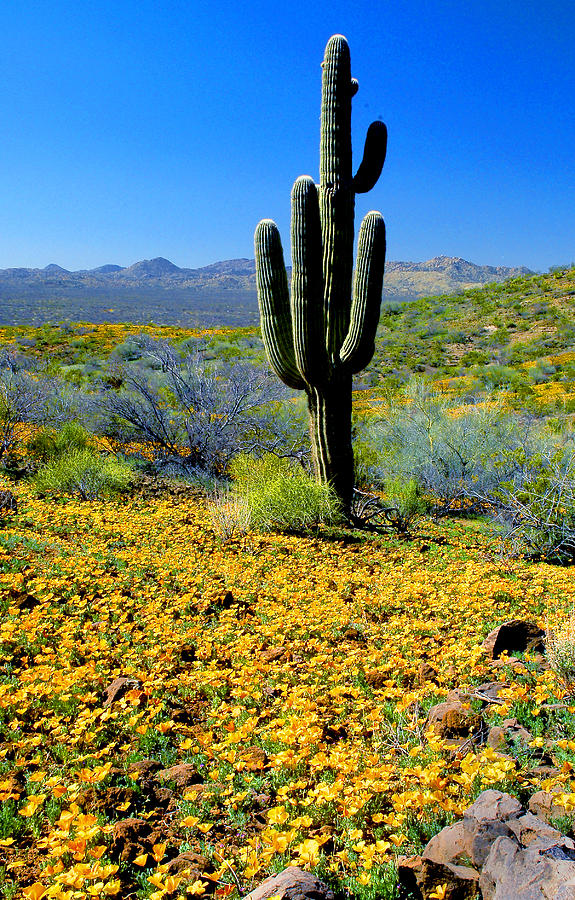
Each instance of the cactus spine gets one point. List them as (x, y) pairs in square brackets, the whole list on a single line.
[(318, 338)]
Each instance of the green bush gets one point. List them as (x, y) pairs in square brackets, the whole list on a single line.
[(85, 474), (280, 495), (48, 444), (404, 501)]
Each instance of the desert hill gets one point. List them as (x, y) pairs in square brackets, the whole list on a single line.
[(223, 293)]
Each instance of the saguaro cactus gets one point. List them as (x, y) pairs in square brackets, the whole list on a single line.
[(318, 338)]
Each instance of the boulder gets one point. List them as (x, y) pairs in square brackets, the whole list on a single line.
[(515, 636), (455, 719), (119, 687), (511, 871), (182, 775), (450, 845), (292, 884), (486, 820), (131, 838), (419, 877)]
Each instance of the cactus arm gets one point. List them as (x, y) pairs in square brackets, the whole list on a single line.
[(335, 139), (359, 344), (273, 298), (373, 158), (337, 199), (308, 325)]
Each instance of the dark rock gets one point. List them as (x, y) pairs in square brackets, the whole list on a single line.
[(188, 653), (419, 877), (515, 636), (23, 601), (292, 884), (331, 734), (511, 871), (455, 719), (182, 775), (486, 820), (131, 838), (8, 502)]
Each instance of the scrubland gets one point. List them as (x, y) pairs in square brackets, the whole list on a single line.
[(278, 684)]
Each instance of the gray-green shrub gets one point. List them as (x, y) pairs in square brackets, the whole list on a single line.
[(280, 495), (84, 474)]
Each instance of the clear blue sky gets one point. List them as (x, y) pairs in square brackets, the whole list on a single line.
[(138, 128)]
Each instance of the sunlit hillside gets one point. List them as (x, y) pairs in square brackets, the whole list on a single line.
[(274, 701), (192, 700)]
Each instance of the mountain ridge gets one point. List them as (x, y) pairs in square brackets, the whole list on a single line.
[(222, 293)]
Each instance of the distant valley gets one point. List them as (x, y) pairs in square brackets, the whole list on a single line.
[(224, 293)]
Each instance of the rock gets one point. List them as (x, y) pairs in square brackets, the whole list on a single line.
[(515, 855), (407, 869), (146, 769), (119, 687), (455, 719), (106, 800), (534, 832), (486, 820), (490, 691), (352, 633), (254, 759), (331, 734), (273, 654), (189, 860), (511, 871), (419, 877), (450, 845), (22, 600), (188, 653), (509, 732), (292, 884), (131, 838), (426, 673), (195, 867), (515, 636), (545, 805), (183, 775)]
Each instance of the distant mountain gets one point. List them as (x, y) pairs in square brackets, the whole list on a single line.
[(223, 293)]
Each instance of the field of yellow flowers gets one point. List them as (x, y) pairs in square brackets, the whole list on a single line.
[(273, 702)]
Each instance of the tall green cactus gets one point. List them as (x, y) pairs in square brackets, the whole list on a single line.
[(318, 338)]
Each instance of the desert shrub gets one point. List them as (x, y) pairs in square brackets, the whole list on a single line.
[(85, 474), (405, 502), (537, 506), (458, 453), (49, 443), (229, 513), (202, 411), (560, 651), (280, 494)]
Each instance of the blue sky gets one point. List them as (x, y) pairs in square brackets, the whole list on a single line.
[(167, 128)]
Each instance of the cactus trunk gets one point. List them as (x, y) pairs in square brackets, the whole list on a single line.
[(330, 433), (324, 332)]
